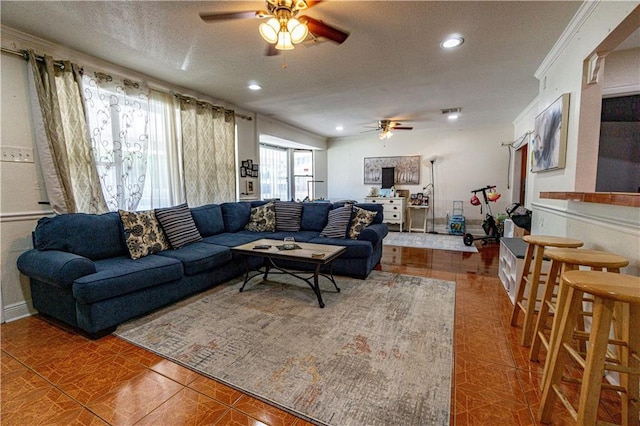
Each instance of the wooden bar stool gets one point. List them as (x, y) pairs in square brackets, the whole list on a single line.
[(531, 275), (563, 260), (609, 290)]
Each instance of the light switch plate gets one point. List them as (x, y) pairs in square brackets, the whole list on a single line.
[(16, 154)]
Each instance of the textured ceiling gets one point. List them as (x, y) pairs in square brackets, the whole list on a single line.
[(391, 66)]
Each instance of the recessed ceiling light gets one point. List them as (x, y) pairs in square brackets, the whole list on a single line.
[(451, 42), (452, 113), (254, 86), (339, 128)]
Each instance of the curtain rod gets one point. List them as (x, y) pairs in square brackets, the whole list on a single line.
[(518, 142), (25, 55)]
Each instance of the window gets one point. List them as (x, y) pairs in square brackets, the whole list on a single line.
[(303, 174), (276, 173)]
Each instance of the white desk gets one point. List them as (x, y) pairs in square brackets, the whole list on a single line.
[(412, 210)]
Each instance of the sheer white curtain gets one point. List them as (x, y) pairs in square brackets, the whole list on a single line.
[(117, 112), (208, 143), (164, 183)]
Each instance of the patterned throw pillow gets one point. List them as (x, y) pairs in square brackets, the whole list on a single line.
[(143, 233), (338, 223), (361, 220), (288, 216), (178, 225), (263, 218)]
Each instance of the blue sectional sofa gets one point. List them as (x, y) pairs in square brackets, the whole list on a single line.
[(81, 271)]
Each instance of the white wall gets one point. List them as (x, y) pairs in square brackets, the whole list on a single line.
[(21, 187), (466, 160), (606, 227)]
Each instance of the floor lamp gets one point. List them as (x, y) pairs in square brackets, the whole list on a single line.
[(433, 198)]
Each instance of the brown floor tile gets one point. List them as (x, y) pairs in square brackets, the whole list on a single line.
[(216, 390), (187, 407), (265, 413), (126, 402), (236, 418)]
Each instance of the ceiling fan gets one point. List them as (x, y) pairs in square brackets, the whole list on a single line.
[(284, 28), (386, 128)]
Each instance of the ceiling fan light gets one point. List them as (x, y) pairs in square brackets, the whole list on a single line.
[(284, 41), (269, 30), (298, 30)]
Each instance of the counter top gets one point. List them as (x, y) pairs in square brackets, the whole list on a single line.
[(629, 199)]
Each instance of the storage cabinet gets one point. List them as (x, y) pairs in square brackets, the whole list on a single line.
[(512, 252), (395, 209), (511, 264)]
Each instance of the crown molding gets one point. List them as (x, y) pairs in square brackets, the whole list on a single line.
[(578, 20)]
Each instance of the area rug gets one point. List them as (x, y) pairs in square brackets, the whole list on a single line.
[(379, 353), (429, 241)]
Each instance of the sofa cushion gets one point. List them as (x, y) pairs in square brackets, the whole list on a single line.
[(236, 215), (314, 216), (121, 275), (355, 248), (143, 233), (338, 222), (361, 219), (199, 257), (288, 216), (232, 239), (208, 219), (177, 223), (79, 233), (262, 219)]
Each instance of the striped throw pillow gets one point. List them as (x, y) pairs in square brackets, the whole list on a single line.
[(178, 225), (288, 216), (339, 221)]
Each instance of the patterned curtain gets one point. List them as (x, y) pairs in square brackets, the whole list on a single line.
[(63, 148), (117, 113), (208, 144)]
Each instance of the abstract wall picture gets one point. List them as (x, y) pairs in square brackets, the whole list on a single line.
[(549, 142), (407, 169)]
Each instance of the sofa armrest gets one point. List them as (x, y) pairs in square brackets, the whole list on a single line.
[(374, 233), (55, 267)]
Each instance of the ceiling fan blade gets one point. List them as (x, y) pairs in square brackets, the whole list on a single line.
[(311, 3), (402, 128), (320, 29), (209, 17)]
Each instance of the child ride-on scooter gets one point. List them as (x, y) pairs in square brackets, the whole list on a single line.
[(489, 224)]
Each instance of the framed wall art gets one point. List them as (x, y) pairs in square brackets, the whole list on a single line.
[(407, 169), (549, 142)]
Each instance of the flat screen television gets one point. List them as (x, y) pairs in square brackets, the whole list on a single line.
[(388, 176)]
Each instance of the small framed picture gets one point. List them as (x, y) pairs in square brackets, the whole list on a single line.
[(243, 172), (249, 187), (255, 167), (245, 164), (250, 173), (249, 164)]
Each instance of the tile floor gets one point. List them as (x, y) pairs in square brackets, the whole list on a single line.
[(53, 376)]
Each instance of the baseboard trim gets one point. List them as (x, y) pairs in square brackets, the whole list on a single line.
[(18, 311)]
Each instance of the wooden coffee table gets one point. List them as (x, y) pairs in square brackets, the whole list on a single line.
[(314, 254)]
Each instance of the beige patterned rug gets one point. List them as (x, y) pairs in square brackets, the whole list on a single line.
[(379, 353)]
